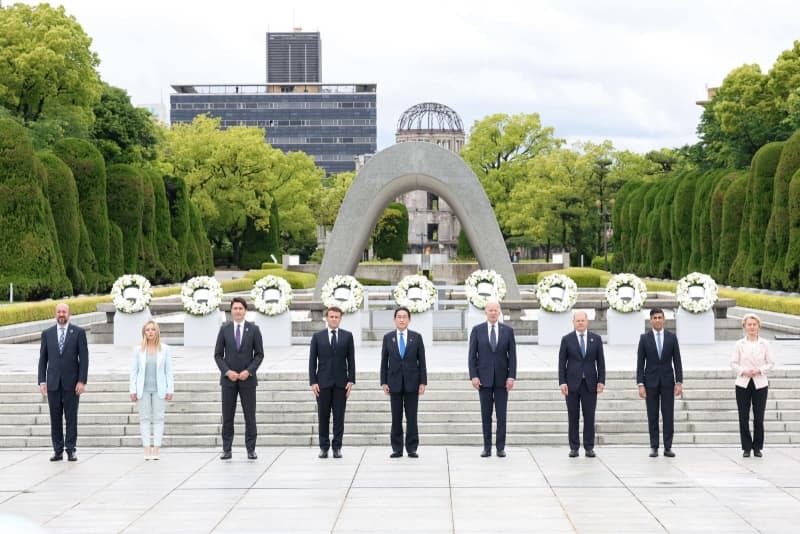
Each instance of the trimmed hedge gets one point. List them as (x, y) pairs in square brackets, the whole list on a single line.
[(177, 198), (791, 266), (149, 263), (777, 238), (30, 257), (719, 271), (89, 171), (733, 215), (682, 215), (125, 194), (205, 256), (166, 246), (390, 238), (296, 279), (269, 265), (259, 245), (116, 253)]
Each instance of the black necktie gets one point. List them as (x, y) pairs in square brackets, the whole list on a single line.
[(333, 340), (493, 339)]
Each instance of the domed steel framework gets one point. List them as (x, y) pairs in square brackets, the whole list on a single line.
[(430, 116)]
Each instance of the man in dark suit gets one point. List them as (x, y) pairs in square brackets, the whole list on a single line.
[(403, 378), (659, 374), (238, 353), (63, 370), (492, 363), (331, 374), (581, 376)]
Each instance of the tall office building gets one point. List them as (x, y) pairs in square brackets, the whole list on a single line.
[(294, 57), (335, 123)]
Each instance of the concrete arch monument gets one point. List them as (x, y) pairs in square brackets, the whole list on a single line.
[(406, 167)]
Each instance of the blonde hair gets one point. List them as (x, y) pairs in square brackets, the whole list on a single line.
[(752, 316), (144, 336)]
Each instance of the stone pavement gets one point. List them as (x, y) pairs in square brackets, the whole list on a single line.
[(446, 490)]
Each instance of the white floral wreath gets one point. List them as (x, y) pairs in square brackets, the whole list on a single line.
[(691, 301), (331, 293), (199, 307), (416, 301), (554, 303), (130, 302), (478, 279), (626, 304), (271, 295)]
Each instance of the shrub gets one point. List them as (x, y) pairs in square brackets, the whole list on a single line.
[(125, 195)]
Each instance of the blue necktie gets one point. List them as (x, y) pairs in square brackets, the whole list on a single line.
[(493, 339), (583, 347), (402, 344), (658, 344)]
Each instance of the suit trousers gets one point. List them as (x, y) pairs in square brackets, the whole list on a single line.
[(63, 404), (493, 398), (663, 396), (582, 398), (408, 401), (336, 399), (151, 414), (248, 399), (758, 398)]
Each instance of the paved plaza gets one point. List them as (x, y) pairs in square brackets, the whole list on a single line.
[(447, 489)]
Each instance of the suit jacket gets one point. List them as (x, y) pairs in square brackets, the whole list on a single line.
[(249, 355), (573, 367), (493, 367), (164, 380), (403, 374), (328, 368), (651, 371), (67, 368)]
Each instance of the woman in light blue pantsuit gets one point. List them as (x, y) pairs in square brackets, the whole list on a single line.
[(151, 386)]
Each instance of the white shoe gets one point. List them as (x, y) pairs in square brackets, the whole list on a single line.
[(147, 456), (155, 457)]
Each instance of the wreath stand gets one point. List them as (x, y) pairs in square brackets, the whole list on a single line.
[(276, 330), (695, 328), (128, 327), (552, 326), (202, 330)]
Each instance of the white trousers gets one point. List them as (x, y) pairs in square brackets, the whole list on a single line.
[(151, 412)]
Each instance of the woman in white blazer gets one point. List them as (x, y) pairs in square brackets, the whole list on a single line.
[(751, 359), (151, 385)]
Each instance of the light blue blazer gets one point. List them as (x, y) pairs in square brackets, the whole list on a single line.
[(164, 380)]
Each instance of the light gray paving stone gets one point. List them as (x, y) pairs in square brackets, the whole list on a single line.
[(396, 509)]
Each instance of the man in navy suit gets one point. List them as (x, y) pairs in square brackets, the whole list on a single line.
[(492, 363), (331, 374), (403, 379), (581, 376), (63, 370), (239, 352), (659, 374)]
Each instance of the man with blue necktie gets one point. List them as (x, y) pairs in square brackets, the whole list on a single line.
[(63, 370), (492, 361), (659, 375), (581, 376), (403, 378)]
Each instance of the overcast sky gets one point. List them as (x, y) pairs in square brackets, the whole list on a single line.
[(629, 71)]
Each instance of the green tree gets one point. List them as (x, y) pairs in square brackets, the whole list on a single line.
[(721, 260), (122, 132), (258, 246), (47, 70), (682, 216), (792, 261), (390, 236), (498, 151), (180, 225), (334, 189), (733, 207), (776, 242), (166, 245)]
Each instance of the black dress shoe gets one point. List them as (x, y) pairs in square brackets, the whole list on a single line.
[(323, 454), (226, 455), (573, 453), (337, 453), (57, 457), (251, 455), (654, 453), (501, 453), (413, 454), (396, 455), (746, 454), (590, 453), (71, 456), (485, 453), (668, 453), (757, 453)]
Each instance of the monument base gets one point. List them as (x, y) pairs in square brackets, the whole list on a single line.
[(276, 330), (624, 328), (202, 331), (128, 327), (694, 328), (553, 326), (423, 323), (353, 322)]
